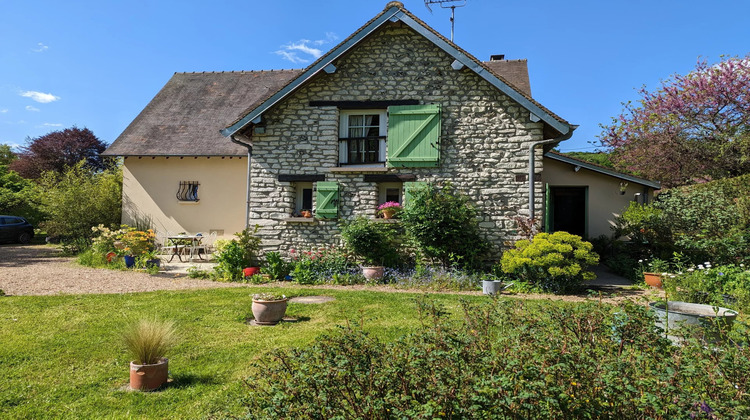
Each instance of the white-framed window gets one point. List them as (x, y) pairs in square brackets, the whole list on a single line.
[(362, 136), (390, 191), (303, 199)]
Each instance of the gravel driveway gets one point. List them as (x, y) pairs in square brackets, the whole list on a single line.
[(40, 270)]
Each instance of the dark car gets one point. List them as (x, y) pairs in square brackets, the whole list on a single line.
[(15, 229)]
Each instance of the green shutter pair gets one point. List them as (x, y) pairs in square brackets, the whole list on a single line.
[(413, 136), (327, 197)]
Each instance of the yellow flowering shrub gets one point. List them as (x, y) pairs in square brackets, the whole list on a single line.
[(554, 262)]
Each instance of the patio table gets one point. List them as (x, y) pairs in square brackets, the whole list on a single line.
[(179, 242)]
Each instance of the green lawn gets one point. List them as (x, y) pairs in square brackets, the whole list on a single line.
[(62, 356)]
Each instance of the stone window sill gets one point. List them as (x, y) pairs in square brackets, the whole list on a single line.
[(378, 168), (299, 220), (381, 220), (188, 202)]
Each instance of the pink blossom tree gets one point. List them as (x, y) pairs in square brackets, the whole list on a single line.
[(694, 127)]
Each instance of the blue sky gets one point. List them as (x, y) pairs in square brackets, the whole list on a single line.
[(97, 64)]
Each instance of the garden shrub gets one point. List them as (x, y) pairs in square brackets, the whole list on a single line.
[(374, 242), (275, 266), (324, 265), (554, 262), (709, 221), (234, 255), (507, 359), (79, 199), (444, 225)]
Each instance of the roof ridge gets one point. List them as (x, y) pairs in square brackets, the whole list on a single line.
[(237, 71)]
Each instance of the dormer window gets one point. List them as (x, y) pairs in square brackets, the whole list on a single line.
[(362, 137)]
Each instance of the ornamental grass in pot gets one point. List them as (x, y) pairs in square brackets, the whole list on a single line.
[(373, 242), (269, 308), (148, 341)]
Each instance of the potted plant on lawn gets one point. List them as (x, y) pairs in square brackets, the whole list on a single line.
[(147, 341), (269, 308), (374, 243), (389, 209)]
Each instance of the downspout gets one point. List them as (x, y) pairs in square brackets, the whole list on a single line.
[(249, 162), (532, 164)]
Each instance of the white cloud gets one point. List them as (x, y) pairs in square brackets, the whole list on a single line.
[(31, 108), (51, 125), (3, 111), (304, 51), (40, 97), (40, 48)]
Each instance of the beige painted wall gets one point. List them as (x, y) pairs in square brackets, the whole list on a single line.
[(153, 184), (605, 200)]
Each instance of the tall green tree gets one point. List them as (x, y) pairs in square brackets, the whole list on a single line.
[(694, 127), (6, 155)]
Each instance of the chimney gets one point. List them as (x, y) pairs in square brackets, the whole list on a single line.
[(497, 57)]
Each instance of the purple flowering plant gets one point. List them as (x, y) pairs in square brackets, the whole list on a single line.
[(389, 206)]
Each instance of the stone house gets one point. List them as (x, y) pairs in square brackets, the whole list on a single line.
[(394, 105)]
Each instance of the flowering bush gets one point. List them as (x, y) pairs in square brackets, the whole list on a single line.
[(723, 285), (138, 242), (105, 239), (554, 262)]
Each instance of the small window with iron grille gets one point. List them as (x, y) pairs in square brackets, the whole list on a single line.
[(188, 191)]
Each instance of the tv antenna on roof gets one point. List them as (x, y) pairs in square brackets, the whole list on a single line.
[(446, 4)]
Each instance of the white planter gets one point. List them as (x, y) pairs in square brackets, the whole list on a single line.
[(710, 320)]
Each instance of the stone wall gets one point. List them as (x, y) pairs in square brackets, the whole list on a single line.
[(484, 141)]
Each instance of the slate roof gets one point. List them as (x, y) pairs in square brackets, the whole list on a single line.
[(185, 117)]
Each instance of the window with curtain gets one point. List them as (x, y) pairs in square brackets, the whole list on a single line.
[(362, 137)]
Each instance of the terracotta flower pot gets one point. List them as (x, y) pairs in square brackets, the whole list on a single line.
[(373, 273), (148, 377), (269, 312), (388, 213), (653, 280)]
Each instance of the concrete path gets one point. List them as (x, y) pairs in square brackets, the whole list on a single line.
[(605, 279)]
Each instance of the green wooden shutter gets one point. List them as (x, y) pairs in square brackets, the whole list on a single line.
[(326, 200), (413, 136), (409, 188)]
